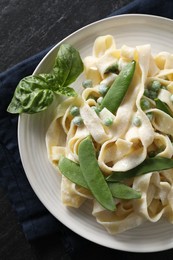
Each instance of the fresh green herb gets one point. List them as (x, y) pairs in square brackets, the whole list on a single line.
[(117, 91), (35, 93), (122, 191), (93, 175), (148, 165), (68, 65)]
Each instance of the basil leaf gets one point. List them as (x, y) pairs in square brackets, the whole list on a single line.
[(148, 165), (68, 65), (52, 83), (36, 92), (31, 96)]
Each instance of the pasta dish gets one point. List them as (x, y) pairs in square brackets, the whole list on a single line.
[(112, 144)]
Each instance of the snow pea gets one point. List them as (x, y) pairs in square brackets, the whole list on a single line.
[(122, 191), (93, 175), (72, 171), (148, 165), (118, 89)]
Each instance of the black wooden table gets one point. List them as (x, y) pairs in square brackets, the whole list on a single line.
[(26, 28)]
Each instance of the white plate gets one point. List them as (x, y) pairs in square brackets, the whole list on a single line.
[(131, 30)]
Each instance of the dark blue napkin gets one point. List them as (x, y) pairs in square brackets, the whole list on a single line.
[(35, 219)]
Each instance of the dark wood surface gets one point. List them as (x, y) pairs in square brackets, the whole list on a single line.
[(26, 28)]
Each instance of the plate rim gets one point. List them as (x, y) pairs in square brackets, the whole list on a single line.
[(97, 22)]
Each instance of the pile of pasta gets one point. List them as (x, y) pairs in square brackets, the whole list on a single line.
[(122, 145)]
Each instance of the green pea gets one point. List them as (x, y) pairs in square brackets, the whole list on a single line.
[(96, 109), (108, 121), (145, 104), (156, 86), (93, 175), (152, 94), (150, 116), (118, 89), (77, 120), (103, 89), (87, 83), (137, 121), (146, 92), (148, 165), (74, 111)]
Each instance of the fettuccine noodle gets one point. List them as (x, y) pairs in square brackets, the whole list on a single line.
[(122, 145)]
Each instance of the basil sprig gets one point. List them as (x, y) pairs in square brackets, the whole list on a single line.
[(35, 93)]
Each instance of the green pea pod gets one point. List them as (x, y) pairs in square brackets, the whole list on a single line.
[(93, 176), (72, 171), (117, 91), (122, 191), (148, 165), (162, 106)]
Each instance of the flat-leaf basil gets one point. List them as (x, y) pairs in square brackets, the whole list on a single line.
[(36, 92), (31, 96), (68, 65)]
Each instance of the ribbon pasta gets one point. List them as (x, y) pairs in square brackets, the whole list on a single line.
[(122, 145)]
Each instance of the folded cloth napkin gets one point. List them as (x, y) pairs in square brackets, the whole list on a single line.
[(33, 216)]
